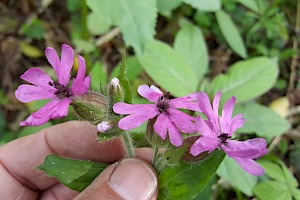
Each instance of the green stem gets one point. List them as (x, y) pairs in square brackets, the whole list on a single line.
[(128, 144), (155, 156)]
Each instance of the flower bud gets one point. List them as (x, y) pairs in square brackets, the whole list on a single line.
[(91, 106), (103, 127), (115, 84)]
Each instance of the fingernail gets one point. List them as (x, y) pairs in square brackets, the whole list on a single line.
[(133, 180)]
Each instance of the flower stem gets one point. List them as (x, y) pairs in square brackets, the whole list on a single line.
[(155, 155), (128, 144)]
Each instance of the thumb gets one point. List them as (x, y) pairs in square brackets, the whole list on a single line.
[(130, 179)]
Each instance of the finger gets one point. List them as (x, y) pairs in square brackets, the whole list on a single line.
[(71, 139), (130, 179), (58, 192)]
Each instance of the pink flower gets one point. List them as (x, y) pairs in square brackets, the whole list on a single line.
[(217, 132), (169, 119), (43, 87)]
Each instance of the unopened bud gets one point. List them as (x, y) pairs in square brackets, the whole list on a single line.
[(103, 127), (115, 84), (91, 106)]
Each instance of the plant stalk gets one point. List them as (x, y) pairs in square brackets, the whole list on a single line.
[(128, 144)]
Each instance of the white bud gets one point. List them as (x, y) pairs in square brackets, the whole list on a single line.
[(115, 84), (103, 127)]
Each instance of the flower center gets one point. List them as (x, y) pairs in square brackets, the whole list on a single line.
[(61, 91), (223, 138), (163, 102)]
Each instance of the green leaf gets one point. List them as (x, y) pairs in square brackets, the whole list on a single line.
[(247, 79), (242, 180), (34, 29), (167, 68), (75, 174), (128, 95), (136, 19), (272, 190), (98, 74), (251, 4), (30, 50), (186, 181), (167, 5), (205, 5), (133, 68), (96, 24), (28, 130), (84, 45), (190, 44), (231, 33), (258, 119)]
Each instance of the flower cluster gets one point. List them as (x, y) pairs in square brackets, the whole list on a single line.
[(59, 92), (215, 132)]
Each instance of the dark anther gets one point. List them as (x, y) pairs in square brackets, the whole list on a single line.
[(61, 91), (163, 102), (223, 137)]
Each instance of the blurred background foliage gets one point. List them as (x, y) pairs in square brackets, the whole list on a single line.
[(246, 48)]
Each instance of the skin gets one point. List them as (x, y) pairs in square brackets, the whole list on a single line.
[(74, 139)]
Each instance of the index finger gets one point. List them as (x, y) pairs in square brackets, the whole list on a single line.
[(74, 139)]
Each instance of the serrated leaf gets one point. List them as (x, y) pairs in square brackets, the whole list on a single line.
[(204, 5), (247, 79), (231, 33), (190, 44), (242, 180), (186, 181), (75, 174), (167, 68), (136, 19), (261, 120)]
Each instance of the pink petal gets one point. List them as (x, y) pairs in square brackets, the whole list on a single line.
[(204, 144), (225, 120), (161, 125), (151, 93), (216, 103), (124, 108), (253, 148), (186, 102), (236, 123), (174, 135), (37, 77), (204, 129), (250, 166), (205, 107), (137, 117), (164, 125), (80, 84), (184, 122), (67, 60), (53, 59), (27, 93), (52, 110)]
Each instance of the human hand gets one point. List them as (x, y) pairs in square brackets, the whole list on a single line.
[(131, 178)]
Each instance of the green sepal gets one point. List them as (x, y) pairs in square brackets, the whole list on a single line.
[(75, 174), (92, 107)]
